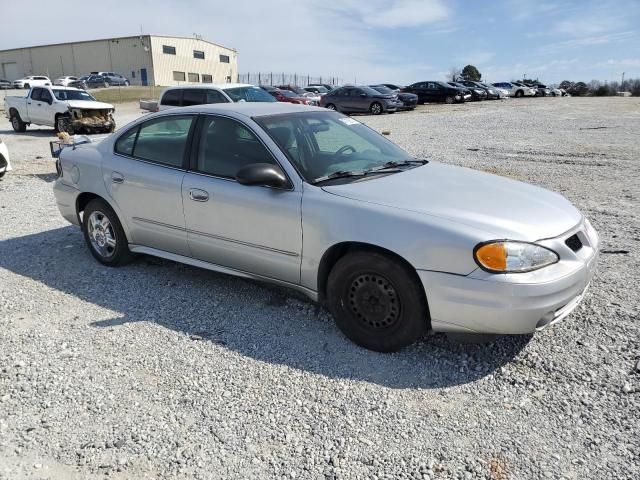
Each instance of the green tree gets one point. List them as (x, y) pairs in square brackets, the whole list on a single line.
[(566, 85), (471, 73), (579, 88)]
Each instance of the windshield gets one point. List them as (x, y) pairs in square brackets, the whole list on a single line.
[(248, 94), (321, 143), (73, 95)]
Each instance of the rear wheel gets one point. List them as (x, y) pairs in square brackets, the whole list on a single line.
[(16, 122), (449, 100), (331, 106), (519, 94), (377, 301), (104, 234), (126, 83), (376, 108), (27, 86)]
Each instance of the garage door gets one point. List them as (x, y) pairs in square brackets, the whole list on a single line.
[(10, 71)]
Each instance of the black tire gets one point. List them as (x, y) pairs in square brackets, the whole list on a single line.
[(331, 106), (112, 128), (63, 124), (27, 86), (376, 108), (126, 83), (16, 122), (519, 94), (102, 251), (449, 100), (2, 174), (105, 84), (377, 301)]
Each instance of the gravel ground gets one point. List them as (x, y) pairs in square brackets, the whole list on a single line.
[(159, 370)]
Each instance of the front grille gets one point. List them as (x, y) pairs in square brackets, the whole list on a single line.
[(574, 243)]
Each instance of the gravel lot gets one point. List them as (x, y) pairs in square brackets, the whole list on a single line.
[(159, 370)]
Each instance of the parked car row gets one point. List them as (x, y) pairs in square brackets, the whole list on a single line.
[(92, 80)]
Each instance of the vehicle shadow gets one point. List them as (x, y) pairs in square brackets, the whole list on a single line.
[(266, 323), (32, 132)]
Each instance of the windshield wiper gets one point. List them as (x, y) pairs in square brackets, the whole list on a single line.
[(338, 174), (394, 165)]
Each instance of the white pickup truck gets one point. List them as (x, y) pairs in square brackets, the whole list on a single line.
[(66, 109)]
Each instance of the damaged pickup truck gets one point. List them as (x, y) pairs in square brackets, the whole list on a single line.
[(65, 109)]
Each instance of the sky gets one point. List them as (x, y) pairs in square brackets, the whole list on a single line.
[(367, 41)]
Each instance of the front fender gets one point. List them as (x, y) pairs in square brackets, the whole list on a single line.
[(425, 242)]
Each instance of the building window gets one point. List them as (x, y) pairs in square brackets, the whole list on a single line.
[(178, 76), (198, 54), (168, 50), (224, 59), (194, 77), (207, 78)]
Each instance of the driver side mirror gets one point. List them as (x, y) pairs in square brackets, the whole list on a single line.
[(263, 175)]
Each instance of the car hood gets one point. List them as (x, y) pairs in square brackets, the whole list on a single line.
[(89, 105), (501, 207)]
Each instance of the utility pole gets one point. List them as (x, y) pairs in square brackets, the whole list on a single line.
[(622, 84)]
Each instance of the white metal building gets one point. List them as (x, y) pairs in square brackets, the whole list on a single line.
[(143, 59)]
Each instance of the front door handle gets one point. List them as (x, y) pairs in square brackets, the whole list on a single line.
[(198, 195), (117, 177)]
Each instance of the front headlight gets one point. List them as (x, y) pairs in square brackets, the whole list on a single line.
[(506, 256)]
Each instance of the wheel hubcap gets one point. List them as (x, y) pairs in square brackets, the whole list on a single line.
[(101, 234), (374, 301), (376, 109)]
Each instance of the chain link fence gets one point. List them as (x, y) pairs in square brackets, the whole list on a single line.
[(274, 78)]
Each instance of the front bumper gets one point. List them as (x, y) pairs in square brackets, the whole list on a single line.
[(66, 197), (513, 303)]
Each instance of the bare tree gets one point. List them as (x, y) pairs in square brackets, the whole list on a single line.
[(454, 74)]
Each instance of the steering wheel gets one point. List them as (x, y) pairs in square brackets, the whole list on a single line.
[(344, 150)]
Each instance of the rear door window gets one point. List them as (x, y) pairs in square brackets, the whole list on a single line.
[(214, 96), (193, 96), (161, 140), (172, 98)]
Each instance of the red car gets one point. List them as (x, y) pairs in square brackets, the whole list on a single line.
[(290, 97)]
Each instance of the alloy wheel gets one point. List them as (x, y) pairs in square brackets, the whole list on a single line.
[(101, 234)]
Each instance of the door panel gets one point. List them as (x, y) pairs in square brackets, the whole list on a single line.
[(150, 198), (253, 229)]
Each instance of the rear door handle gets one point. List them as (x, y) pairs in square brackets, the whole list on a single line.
[(198, 195), (117, 177)]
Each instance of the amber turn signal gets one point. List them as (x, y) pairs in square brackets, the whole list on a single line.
[(493, 256)]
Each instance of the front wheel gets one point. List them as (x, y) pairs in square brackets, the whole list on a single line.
[(377, 301), (331, 106), (104, 234), (63, 124), (449, 100), (376, 108), (126, 83)]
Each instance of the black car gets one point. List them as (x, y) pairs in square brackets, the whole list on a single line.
[(90, 81), (359, 99), (435, 91), (478, 92), (406, 101), (469, 94)]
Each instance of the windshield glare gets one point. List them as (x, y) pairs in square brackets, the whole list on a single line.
[(382, 89), (73, 95), (249, 94), (321, 143)]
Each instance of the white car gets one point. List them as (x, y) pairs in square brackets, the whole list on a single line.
[(32, 81), (556, 92), (64, 81), (5, 165), (187, 95), (516, 89)]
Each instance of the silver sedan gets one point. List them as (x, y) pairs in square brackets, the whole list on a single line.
[(314, 200)]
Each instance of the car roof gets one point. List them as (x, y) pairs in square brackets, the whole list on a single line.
[(66, 88), (223, 86), (247, 109)]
